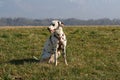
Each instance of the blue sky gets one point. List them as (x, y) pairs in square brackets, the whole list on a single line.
[(80, 9)]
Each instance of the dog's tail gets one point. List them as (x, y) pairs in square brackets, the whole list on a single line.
[(36, 58)]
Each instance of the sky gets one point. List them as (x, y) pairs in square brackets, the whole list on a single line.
[(63, 9)]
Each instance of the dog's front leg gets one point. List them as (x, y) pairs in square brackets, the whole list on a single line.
[(55, 54), (64, 55)]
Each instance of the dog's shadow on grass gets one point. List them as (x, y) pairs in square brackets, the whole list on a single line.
[(22, 61)]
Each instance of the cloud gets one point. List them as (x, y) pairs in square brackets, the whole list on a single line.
[(24, 5), (78, 1), (87, 1), (1, 3)]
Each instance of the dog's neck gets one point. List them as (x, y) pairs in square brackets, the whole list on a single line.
[(59, 33), (59, 30)]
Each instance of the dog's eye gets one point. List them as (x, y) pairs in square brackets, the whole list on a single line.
[(53, 24)]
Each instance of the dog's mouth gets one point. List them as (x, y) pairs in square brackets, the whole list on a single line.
[(50, 30)]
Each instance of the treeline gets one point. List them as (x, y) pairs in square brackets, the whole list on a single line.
[(46, 22)]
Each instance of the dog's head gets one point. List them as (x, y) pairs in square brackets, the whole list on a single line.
[(56, 24)]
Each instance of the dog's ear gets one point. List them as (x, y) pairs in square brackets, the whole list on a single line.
[(61, 24)]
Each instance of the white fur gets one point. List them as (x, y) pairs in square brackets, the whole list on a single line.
[(56, 42)]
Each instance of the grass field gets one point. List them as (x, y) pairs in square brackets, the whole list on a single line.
[(93, 53)]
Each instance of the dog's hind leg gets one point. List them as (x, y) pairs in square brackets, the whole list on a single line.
[(52, 60), (55, 54)]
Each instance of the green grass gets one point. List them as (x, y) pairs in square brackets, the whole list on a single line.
[(93, 53)]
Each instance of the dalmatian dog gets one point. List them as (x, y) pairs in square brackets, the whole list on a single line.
[(55, 43)]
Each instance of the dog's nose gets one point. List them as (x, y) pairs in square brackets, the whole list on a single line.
[(48, 28)]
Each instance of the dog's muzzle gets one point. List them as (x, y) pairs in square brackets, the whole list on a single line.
[(50, 30)]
